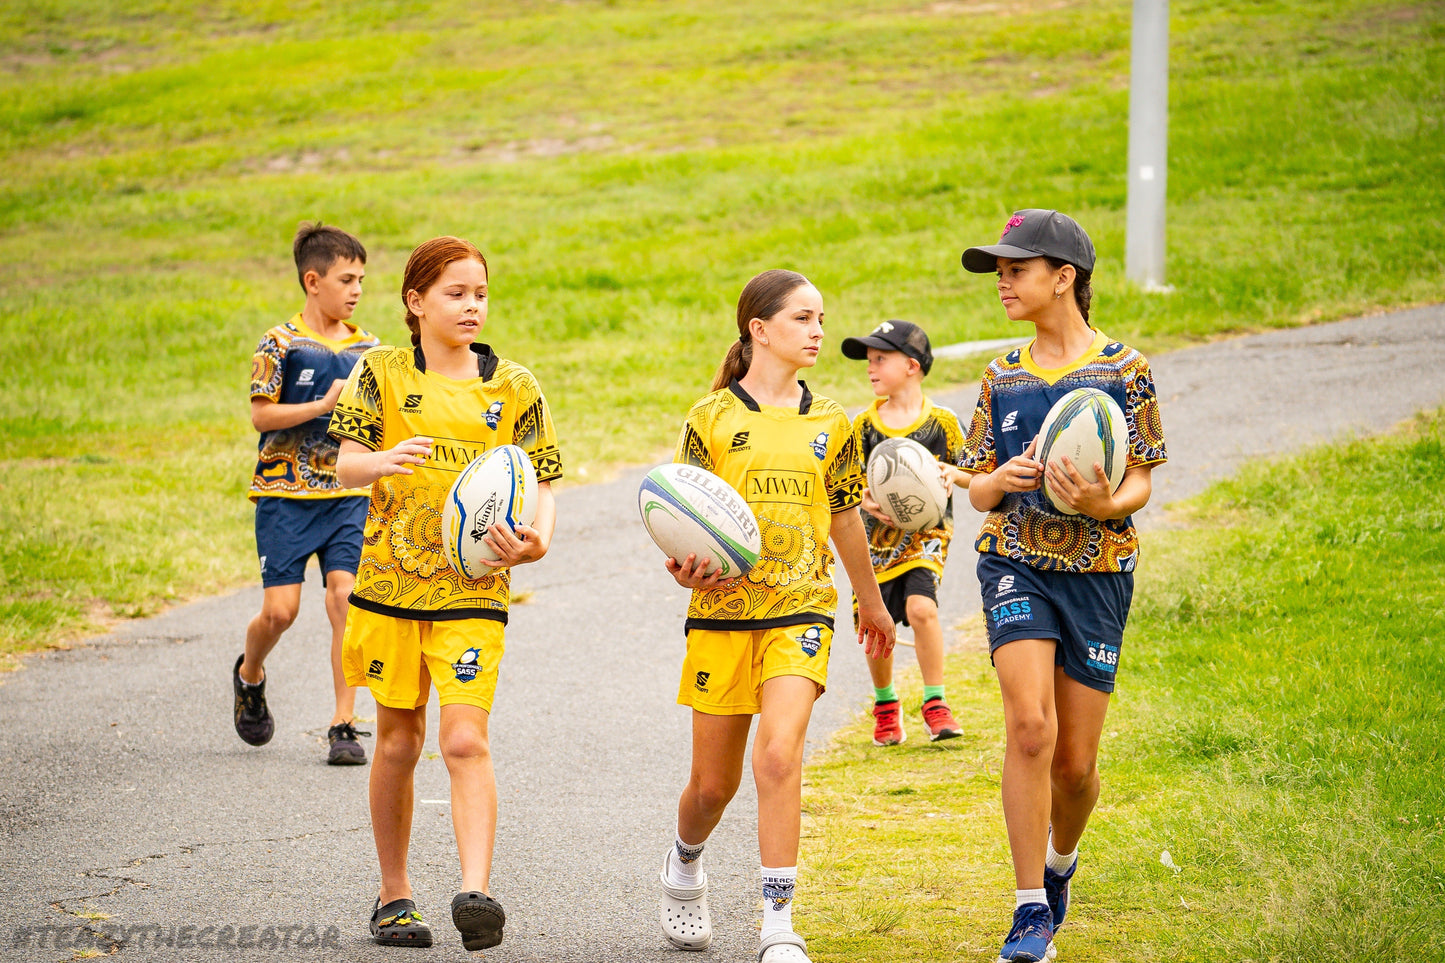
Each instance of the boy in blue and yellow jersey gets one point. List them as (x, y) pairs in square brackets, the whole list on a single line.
[(1056, 587), (909, 565), (301, 508)]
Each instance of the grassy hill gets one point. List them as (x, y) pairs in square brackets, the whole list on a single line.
[(626, 167)]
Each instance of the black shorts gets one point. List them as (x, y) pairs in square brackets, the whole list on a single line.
[(1084, 613), (915, 581)]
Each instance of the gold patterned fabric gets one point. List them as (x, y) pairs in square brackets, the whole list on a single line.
[(391, 397), (795, 468)]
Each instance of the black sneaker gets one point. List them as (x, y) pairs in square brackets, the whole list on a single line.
[(346, 750), (253, 720)]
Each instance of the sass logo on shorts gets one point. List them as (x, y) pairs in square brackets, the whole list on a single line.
[(700, 682), (820, 445), (1006, 613), (373, 671), (811, 640), (1005, 585), (412, 403), (306, 377), (493, 415), (740, 442), (1008, 422), (466, 667), (1103, 656)]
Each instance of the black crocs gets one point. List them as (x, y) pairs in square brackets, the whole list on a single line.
[(398, 924), (479, 919)]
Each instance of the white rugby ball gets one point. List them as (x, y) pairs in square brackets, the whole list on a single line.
[(904, 480), (690, 511), (1088, 426), (498, 487)]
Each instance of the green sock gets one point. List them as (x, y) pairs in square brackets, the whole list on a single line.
[(885, 695), (932, 692)]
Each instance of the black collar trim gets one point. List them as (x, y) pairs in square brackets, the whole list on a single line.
[(486, 360), (803, 406)]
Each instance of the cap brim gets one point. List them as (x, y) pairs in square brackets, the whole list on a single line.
[(984, 260), (857, 348)]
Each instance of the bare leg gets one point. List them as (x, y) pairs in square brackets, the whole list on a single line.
[(338, 590), (279, 605), (718, 746), (1026, 679), (927, 637), (466, 748), (399, 737), (1075, 773), (787, 704)]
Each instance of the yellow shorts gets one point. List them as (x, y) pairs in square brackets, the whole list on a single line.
[(723, 672), (400, 659)]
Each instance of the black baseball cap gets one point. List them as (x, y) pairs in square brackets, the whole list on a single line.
[(902, 336), (1035, 233)]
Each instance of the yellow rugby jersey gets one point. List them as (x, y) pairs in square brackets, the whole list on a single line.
[(893, 551), (391, 397), (795, 468)]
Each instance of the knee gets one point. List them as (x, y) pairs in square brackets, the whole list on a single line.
[(712, 794), (277, 618), (922, 612), (401, 746), (1073, 776), (464, 744), (777, 763), (1032, 734)]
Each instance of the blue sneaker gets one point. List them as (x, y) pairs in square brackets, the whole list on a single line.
[(1056, 887), (1032, 938)]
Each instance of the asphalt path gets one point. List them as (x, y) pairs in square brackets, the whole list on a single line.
[(129, 807)]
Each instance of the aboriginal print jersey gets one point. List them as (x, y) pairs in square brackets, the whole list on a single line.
[(795, 467), (892, 551), (294, 365), (391, 397), (1013, 399)]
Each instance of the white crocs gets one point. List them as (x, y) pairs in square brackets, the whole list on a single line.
[(783, 948), (683, 910)]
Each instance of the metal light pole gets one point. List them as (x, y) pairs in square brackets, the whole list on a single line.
[(1148, 144)]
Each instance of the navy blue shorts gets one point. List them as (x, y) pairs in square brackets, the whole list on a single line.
[(290, 530), (1083, 613)]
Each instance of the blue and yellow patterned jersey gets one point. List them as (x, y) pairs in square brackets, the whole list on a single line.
[(795, 467), (294, 365), (893, 551), (1013, 400), (391, 397)]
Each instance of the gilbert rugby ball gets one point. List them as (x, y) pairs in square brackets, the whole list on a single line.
[(498, 487), (1087, 426), (689, 511), (903, 479)]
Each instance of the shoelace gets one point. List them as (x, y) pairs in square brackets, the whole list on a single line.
[(348, 732)]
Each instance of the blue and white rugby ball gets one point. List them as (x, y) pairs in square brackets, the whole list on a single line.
[(690, 511), (499, 486), (1087, 426)]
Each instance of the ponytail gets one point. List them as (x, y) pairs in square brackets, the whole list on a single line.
[(762, 297), (735, 364)]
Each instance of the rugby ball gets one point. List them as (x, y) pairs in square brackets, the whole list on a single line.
[(1088, 426), (903, 479), (690, 511), (498, 487)]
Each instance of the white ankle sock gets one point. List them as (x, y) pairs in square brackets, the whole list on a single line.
[(684, 862), (1023, 897), (1059, 862), (778, 884)]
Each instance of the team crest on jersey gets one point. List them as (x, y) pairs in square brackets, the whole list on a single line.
[(820, 445), (493, 415), (811, 640), (466, 667)]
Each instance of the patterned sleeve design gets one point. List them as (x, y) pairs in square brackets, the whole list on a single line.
[(358, 411), (691, 445), (845, 472), (978, 454), (267, 366), (1146, 430)]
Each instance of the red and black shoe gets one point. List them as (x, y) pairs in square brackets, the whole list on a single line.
[(940, 721), (887, 724)]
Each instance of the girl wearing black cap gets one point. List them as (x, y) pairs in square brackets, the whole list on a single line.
[(1056, 587)]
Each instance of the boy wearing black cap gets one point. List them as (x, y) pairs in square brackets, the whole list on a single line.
[(1056, 587), (908, 564)]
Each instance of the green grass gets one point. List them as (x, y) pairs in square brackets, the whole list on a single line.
[(627, 167), (1276, 731)]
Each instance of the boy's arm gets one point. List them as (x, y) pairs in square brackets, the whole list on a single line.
[(875, 625), (359, 467), (268, 415)]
